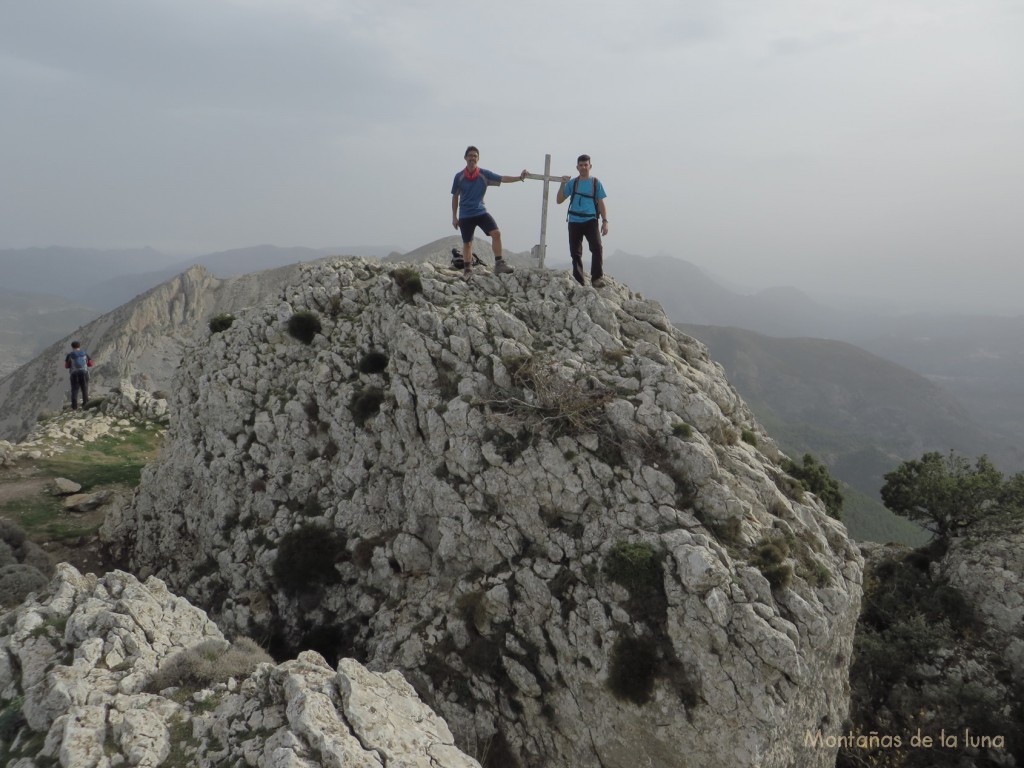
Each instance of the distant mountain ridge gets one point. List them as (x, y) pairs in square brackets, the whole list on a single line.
[(106, 279), (858, 413)]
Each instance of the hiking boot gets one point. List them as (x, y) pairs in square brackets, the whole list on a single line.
[(599, 283), (467, 274), (501, 268)]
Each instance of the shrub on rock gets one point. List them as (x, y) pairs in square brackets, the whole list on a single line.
[(304, 326)]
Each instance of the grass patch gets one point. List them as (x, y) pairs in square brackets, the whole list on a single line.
[(43, 519), (111, 460), (114, 462)]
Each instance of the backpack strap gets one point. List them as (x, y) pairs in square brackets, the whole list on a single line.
[(572, 197)]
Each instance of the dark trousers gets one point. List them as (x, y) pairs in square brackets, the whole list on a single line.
[(79, 383), (592, 231)]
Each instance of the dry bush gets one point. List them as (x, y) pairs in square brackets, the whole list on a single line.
[(551, 397), (210, 662)]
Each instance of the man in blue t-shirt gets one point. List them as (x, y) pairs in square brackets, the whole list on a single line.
[(78, 362), (468, 210), (586, 204)]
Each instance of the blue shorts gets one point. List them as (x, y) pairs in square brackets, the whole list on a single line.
[(468, 226)]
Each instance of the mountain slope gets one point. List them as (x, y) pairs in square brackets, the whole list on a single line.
[(857, 412)]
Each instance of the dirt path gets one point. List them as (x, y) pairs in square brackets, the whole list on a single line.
[(84, 553), (15, 489)]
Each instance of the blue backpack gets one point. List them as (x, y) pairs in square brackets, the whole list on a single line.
[(575, 192), (79, 360)]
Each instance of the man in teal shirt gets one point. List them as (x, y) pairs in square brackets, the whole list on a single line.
[(586, 197)]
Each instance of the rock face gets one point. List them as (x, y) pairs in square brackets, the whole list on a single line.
[(76, 671), (989, 572), (542, 503)]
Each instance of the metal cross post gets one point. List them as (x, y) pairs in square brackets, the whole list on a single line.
[(547, 178)]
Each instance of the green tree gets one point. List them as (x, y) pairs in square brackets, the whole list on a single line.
[(947, 494), (814, 477)]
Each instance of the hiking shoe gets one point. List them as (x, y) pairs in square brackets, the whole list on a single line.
[(501, 268), (467, 274), (599, 283)]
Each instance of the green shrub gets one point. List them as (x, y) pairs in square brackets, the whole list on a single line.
[(11, 720), (682, 430), (210, 662), (747, 436), (17, 580), (221, 322), (365, 404), (409, 282), (814, 477), (635, 566), (728, 531), (373, 362), (770, 558), (633, 668), (471, 609), (306, 559), (304, 326), (615, 356)]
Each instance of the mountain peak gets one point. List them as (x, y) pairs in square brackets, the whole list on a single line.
[(540, 502)]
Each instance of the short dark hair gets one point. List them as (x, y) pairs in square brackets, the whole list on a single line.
[(75, 344), (469, 149), (583, 159)]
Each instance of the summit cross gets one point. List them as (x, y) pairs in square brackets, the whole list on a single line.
[(547, 178)]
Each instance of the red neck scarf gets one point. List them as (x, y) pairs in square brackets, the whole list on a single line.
[(471, 176)]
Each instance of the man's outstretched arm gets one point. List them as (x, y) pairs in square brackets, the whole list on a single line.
[(520, 177)]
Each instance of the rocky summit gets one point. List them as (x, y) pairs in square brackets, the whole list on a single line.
[(96, 673), (540, 502)]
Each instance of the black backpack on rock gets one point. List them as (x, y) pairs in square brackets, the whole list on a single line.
[(460, 263)]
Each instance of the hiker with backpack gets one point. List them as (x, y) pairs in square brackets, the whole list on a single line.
[(586, 197), (78, 362), (468, 212)]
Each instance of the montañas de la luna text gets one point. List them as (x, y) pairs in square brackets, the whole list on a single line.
[(874, 740)]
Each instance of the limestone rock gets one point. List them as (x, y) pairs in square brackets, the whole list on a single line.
[(75, 667), (989, 571), (86, 502), (64, 487), (531, 498)]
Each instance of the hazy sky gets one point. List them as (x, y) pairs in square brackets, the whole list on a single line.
[(866, 145)]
